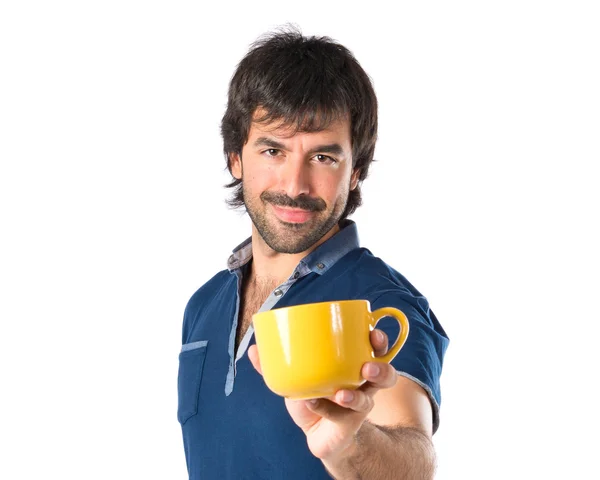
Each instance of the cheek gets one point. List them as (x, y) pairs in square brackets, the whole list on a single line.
[(332, 187), (260, 179)]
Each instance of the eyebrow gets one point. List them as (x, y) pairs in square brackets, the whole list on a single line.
[(333, 148)]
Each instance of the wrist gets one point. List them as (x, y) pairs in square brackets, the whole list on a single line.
[(339, 464)]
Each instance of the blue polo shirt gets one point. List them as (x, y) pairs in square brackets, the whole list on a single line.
[(233, 426)]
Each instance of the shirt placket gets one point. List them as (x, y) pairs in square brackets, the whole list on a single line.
[(274, 297)]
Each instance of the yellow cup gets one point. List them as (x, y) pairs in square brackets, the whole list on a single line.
[(313, 350)]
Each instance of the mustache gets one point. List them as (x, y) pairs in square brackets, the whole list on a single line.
[(302, 202)]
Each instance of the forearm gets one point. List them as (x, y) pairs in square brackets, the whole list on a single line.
[(384, 453)]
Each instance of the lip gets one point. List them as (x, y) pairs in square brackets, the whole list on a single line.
[(292, 215)]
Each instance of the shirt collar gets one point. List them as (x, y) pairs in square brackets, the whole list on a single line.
[(241, 255), (319, 260)]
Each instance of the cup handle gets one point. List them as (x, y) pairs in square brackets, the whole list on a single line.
[(399, 343)]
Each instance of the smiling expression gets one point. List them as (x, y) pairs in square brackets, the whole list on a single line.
[(295, 184)]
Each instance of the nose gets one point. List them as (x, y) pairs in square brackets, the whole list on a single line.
[(295, 177)]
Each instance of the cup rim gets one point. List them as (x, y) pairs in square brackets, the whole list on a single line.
[(312, 304)]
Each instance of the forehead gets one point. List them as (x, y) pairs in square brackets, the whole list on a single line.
[(338, 129), (317, 125)]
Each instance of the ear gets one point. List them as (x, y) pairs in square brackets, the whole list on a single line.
[(354, 178), (235, 163)]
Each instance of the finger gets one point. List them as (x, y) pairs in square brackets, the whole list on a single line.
[(253, 356), (379, 341), (357, 400), (301, 414), (378, 376), (333, 412)]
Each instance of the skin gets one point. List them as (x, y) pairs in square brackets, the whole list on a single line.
[(297, 172), (314, 171)]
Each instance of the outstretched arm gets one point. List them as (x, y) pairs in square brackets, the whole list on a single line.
[(380, 431), (400, 452)]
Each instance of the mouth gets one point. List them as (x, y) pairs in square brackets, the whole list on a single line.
[(292, 215)]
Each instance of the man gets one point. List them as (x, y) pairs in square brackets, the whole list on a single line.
[(299, 135)]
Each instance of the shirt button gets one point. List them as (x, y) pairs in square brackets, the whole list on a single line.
[(278, 293), (296, 275), (320, 266)]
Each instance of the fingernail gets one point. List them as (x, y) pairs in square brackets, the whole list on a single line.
[(373, 370), (379, 336), (313, 401), (347, 396)]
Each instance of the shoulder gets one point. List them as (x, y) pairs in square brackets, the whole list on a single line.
[(211, 288), (214, 290), (375, 278)]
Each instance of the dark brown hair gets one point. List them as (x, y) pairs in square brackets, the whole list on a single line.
[(306, 83)]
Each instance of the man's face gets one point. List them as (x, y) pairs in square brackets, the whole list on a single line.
[(295, 186)]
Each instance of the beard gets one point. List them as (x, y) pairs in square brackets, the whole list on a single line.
[(292, 238)]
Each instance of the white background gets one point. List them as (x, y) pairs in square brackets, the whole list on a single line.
[(484, 195)]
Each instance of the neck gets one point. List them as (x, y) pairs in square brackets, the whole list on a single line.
[(267, 264)]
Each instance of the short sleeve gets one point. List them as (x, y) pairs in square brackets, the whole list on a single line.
[(421, 358)]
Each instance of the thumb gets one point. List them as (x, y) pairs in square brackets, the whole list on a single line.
[(254, 359)]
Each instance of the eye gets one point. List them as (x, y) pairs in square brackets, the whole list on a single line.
[(272, 152), (325, 159)]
